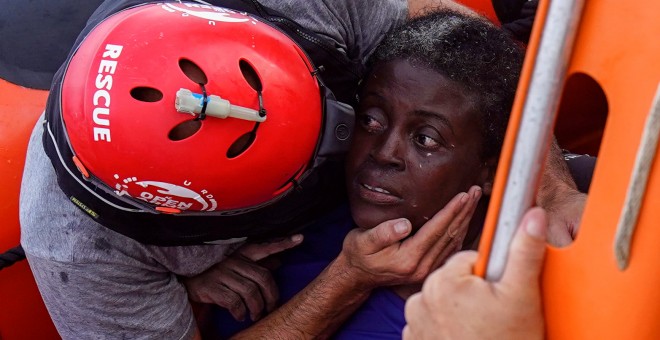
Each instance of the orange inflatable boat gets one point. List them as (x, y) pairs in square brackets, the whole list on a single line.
[(22, 313), (36, 37)]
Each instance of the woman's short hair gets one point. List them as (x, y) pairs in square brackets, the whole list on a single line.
[(470, 51)]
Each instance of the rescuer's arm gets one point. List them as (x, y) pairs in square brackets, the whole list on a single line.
[(238, 283), (370, 258)]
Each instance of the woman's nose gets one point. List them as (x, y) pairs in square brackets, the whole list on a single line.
[(389, 151)]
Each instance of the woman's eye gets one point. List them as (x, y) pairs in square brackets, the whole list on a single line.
[(426, 141), (370, 123)]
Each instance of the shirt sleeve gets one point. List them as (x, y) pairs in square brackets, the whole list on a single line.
[(355, 27), (96, 283), (101, 300)]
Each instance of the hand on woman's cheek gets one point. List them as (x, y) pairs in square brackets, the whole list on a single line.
[(378, 256)]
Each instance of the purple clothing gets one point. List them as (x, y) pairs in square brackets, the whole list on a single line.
[(380, 317)]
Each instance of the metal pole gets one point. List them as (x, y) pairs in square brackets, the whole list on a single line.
[(536, 125)]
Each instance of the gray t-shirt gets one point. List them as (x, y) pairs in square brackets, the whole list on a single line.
[(97, 283)]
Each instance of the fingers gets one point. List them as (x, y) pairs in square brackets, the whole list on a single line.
[(258, 251), (564, 219), (462, 219), (452, 215), (441, 293), (418, 316), (578, 203), (252, 283), (264, 281), (443, 234), (451, 246), (237, 284), (437, 226), (460, 264), (407, 333), (457, 229), (380, 254), (527, 251), (208, 287), (380, 237), (236, 294), (412, 311), (559, 234), (231, 301)]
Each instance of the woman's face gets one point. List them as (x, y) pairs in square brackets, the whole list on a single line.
[(416, 145)]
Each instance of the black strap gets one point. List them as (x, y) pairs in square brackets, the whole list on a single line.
[(205, 102), (11, 256)]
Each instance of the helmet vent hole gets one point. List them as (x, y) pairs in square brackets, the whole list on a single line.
[(250, 75), (146, 94), (241, 144), (185, 130), (192, 71)]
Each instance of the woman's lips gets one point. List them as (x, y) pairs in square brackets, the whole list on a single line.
[(376, 194)]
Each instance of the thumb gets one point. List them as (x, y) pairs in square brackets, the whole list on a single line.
[(381, 236), (527, 251)]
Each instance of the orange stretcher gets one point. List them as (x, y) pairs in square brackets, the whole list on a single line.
[(606, 284)]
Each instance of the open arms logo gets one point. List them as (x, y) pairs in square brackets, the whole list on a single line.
[(166, 194)]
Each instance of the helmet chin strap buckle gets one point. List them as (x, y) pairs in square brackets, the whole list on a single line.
[(214, 106)]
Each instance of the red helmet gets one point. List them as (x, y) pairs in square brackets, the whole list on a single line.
[(130, 130)]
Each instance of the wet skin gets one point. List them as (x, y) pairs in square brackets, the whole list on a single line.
[(416, 145)]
